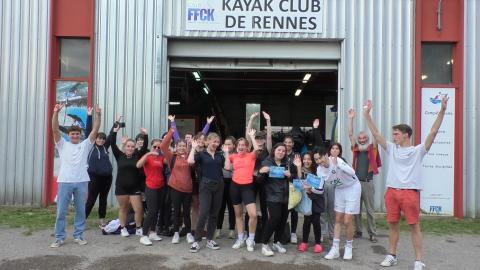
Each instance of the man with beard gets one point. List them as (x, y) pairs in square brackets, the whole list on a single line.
[(366, 162)]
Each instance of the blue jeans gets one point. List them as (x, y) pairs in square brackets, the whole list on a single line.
[(64, 196)]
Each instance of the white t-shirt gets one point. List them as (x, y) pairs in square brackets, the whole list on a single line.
[(405, 166), (340, 175), (73, 161)]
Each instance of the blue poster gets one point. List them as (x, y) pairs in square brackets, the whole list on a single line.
[(277, 172)]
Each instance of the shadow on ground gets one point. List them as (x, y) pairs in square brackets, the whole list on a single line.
[(50, 262)]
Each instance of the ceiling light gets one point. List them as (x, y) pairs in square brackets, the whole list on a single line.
[(298, 92), (206, 89), (173, 103), (196, 74), (424, 77), (307, 77)]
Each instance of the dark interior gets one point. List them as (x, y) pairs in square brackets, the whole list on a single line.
[(230, 90)]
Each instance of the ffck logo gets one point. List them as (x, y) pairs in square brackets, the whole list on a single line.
[(200, 15)]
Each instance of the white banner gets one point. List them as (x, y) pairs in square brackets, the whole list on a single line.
[(438, 165), (281, 16)]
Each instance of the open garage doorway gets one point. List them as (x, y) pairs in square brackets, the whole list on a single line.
[(292, 98)]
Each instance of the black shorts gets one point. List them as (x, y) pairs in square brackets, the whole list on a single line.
[(131, 191), (242, 193)]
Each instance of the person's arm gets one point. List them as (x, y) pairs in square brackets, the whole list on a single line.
[(88, 126), (373, 129), (269, 131), (249, 127), (113, 135), (143, 160), (191, 156), (351, 116), (164, 146), (108, 141), (343, 166), (206, 128), (436, 125), (176, 135), (251, 135), (55, 125), (96, 124), (226, 155), (144, 148), (317, 134), (297, 161)]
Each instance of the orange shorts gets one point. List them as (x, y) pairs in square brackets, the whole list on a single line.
[(402, 200)]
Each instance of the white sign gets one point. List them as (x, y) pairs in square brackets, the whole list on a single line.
[(281, 16), (438, 164)]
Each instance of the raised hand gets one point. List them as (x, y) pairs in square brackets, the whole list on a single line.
[(210, 119), (264, 170), (444, 102), (255, 114), (368, 107), (316, 123), (58, 107), (351, 114), (124, 139), (143, 131), (89, 110), (116, 128), (118, 118), (225, 149), (251, 133), (266, 116), (98, 110), (194, 144), (171, 118), (297, 161)]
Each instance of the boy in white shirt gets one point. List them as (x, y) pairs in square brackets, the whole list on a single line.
[(404, 180), (347, 198), (73, 176)]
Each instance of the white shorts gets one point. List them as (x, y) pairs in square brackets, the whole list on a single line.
[(347, 200)]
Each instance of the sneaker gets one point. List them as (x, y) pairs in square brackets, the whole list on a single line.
[(358, 235), (218, 234), (250, 245), (318, 248), (153, 236), (190, 238), (212, 245), (373, 239), (389, 261), (139, 232), (332, 254), (279, 248), (195, 247), (57, 243), (231, 234), (176, 238), (267, 251), (418, 265), (124, 232), (348, 254), (144, 240), (302, 247), (293, 238), (80, 241), (238, 244)]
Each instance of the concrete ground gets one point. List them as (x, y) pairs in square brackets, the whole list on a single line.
[(20, 252)]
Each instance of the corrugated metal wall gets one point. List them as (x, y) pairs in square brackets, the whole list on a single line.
[(471, 112), (128, 61), (377, 52), (24, 32)]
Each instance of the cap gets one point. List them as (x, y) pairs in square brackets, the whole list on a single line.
[(260, 135)]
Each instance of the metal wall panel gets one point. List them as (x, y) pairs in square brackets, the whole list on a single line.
[(377, 59), (471, 148), (128, 47), (24, 32)]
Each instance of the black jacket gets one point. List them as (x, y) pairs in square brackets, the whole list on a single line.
[(276, 189)]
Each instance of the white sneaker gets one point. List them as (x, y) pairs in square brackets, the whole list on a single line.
[(176, 238), (124, 232), (332, 254), (279, 248), (57, 243), (250, 245), (145, 241), (139, 232), (348, 254), (389, 261), (195, 247), (419, 265), (190, 238), (267, 251), (80, 241), (238, 244), (231, 234), (153, 236), (218, 234), (293, 238), (212, 245)]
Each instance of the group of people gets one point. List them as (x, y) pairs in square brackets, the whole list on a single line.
[(193, 180)]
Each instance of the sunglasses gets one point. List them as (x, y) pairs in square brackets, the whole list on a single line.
[(156, 147)]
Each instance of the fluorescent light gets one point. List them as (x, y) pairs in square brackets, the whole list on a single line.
[(206, 89), (307, 77), (173, 103), (298, 92), (196, 74), (424, 77)]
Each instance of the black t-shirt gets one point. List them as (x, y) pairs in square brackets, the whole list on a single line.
[(262, 154), (211, 167)]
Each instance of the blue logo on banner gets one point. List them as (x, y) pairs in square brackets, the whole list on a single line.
[(437, 209), (200, 14), (277, 172)]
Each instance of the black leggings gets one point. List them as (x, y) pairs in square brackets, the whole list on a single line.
[(293, 220), (260, 191), (99, 186), (226, 202), (155, 200), (277, 220), (314, 220), (210, 201), (182, 202)]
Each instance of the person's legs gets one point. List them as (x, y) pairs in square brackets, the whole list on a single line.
[(338, 225), (103, 197), (217, 197), (136, 201), (275, 213), (347, 221), (64, 195), (93, 191), (317, 229), (221, 212), (186, 205), (195, 209), (358, 218), (331, 208), (252, 214), (205, 202), (238, 208), (393, 237), (80, 198), (262, 197), (294, 221), (306, 228), (417, 241), (177, 199), (392, 205), (231, 211), (368, 194), (152, 197), (123, 205), (280, 228)]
